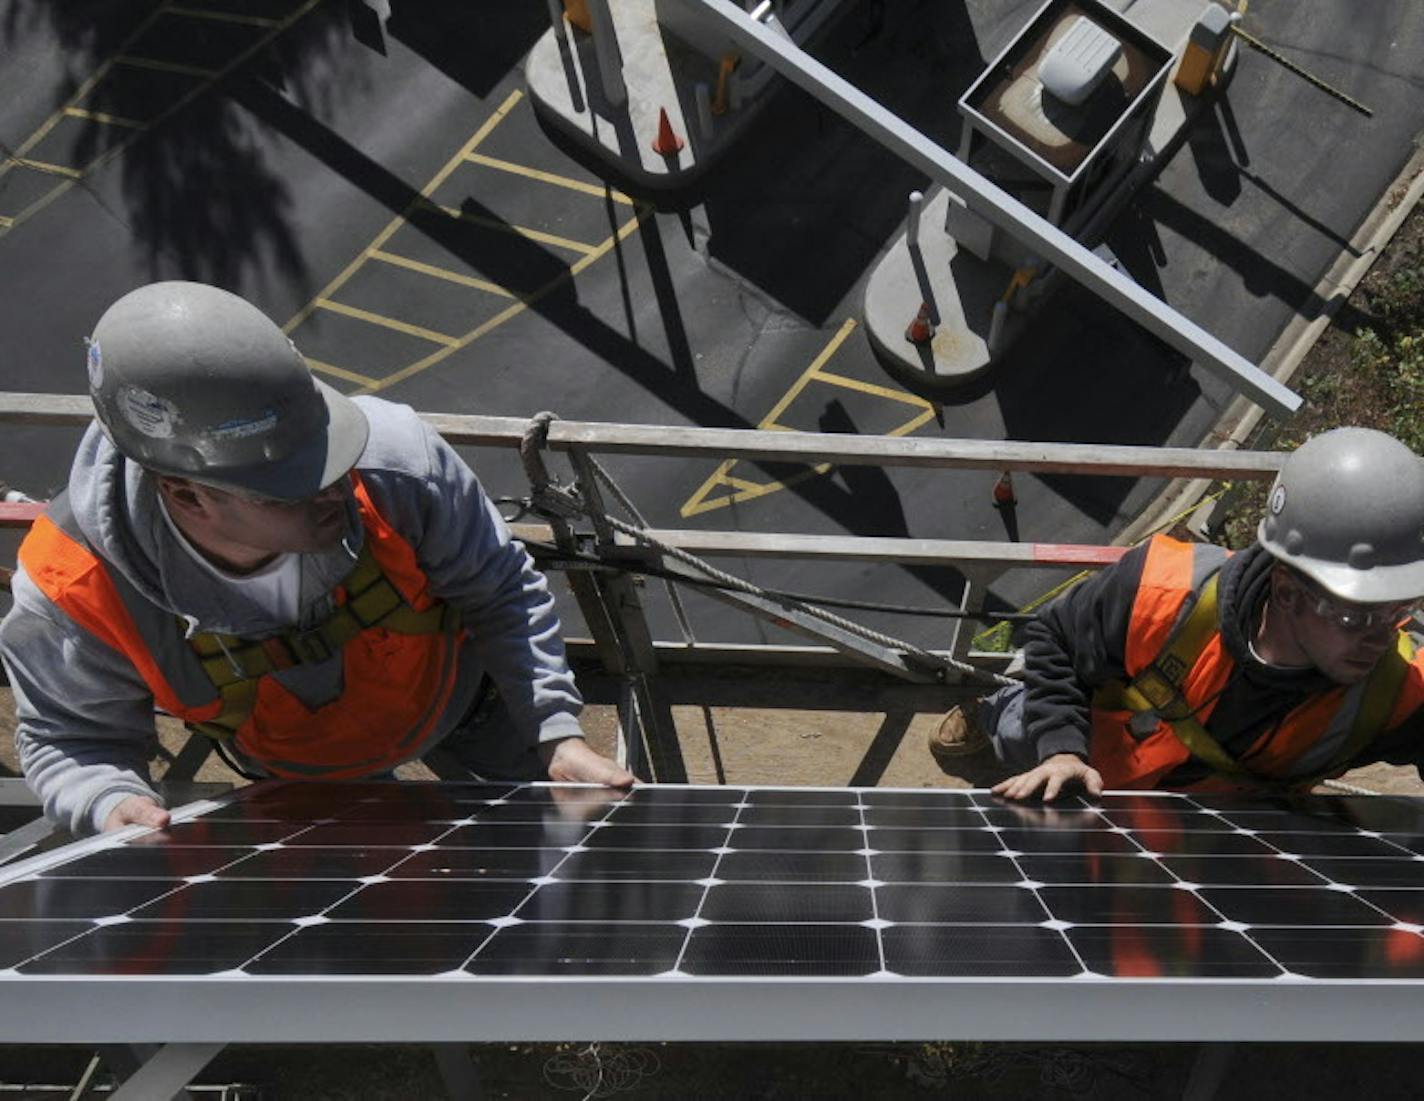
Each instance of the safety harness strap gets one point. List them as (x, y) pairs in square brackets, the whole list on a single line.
[(1158, 687), (236, 665), (1158, 690)]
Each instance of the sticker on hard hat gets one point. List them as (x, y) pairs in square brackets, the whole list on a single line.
[(148, 413), (237, 430), (1278, 500), (94, 361)]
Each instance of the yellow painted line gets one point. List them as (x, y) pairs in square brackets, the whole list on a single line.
[(746, 486), (847, 327), (157, 65), (6, 223), (47, 168), (522, 231), (104, 117), (400, 219), (874, 389), (598, 190), (79, 93), (221, 16), (386, 322), (743, 489), (517, 307), (338, 372), (438, 273)]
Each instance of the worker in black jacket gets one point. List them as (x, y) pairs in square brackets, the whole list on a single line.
[(1185, 667)]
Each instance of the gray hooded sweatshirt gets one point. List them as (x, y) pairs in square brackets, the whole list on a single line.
[(85, 716)]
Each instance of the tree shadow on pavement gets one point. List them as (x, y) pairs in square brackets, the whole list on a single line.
[(195, 186)]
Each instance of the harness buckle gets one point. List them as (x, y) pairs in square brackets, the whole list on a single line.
[(1159, 690), (309, 647)]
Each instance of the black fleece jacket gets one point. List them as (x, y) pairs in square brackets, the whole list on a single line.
[(1079, 641)]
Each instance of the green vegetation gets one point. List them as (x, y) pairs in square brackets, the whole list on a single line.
[(1372, 376)]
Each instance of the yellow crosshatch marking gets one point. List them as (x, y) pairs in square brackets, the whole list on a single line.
[(440, 273), (597, 190), (328, 298), (72, 108), (47, 168), (387, 322), (339, 372), (104, 117), (522, 231), (732, 489)]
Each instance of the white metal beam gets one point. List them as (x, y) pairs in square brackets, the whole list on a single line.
[(682, 441), (1015, 219)]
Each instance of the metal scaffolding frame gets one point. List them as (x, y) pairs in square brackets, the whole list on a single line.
[(624, 664)]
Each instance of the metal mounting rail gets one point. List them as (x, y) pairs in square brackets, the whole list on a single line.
[(797, 447)]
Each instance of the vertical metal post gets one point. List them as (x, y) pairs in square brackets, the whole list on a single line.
[(640, 659), (996, 327), (971, 600), (917, 258), (605, 48), (703, 95)]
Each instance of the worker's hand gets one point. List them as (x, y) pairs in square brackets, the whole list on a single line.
[(1052, 775), (136, 810), (573, 761)]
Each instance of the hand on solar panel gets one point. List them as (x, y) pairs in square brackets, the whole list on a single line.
[(574, 761), (1052, 776), (136, 810)]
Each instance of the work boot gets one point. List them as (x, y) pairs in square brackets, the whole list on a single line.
[(958, 735)]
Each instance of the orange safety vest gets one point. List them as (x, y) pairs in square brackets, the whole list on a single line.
[(1177, 666), (398, 645)]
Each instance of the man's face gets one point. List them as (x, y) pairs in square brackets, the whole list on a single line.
[(1342, 639), (244, 530)]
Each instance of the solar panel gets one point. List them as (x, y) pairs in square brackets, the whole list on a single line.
[(422, 912)]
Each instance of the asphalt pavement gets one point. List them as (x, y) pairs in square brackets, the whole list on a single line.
[(390, 196)]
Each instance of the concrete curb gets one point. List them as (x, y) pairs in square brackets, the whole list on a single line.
[(1240, 418)]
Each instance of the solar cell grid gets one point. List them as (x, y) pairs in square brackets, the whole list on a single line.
[(383, 879)]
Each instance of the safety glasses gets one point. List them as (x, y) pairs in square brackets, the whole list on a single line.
[(1356, 618)]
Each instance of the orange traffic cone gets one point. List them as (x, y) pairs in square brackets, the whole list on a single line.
[(921, 329), (667, 142), (1004, 491)]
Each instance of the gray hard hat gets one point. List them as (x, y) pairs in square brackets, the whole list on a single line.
[(1347, 510), (191, 380)]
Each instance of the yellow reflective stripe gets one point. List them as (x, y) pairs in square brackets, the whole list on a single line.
[(251, 659), (372, 601), (375, 603), (1190, 733), (1190, 639), (238, 700), (1381, 690), (365, 573), (1159, 687)]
